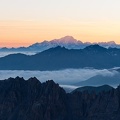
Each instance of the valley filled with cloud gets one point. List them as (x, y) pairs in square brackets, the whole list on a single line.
[(66, 78)]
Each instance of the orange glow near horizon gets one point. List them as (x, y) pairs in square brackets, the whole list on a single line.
[(25, 33), (24, 22)]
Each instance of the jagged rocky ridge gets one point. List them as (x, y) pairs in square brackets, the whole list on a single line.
[(33, 100)]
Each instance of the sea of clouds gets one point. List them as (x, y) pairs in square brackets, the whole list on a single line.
[(64, 77), (3, 54)]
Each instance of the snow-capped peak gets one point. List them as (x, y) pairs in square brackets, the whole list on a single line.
[(69, 42), (66, 39)]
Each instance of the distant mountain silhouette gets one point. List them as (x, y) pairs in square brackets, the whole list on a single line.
[(91, 89), (101, 80), (68, 42), (32, 100), (61, 58)]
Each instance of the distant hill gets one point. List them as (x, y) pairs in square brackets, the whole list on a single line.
[(101, 80), (91, 89), (59, 58), (68, 42)]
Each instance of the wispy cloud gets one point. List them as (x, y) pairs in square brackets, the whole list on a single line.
[(2, 54)]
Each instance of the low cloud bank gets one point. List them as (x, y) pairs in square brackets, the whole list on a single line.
[(3, 54), (64, 77), (69, 88)]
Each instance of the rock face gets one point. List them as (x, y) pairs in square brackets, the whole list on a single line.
[(32, 100)]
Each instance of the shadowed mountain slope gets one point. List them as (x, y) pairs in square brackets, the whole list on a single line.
[(32, 100), (61, 58), (91, 89)]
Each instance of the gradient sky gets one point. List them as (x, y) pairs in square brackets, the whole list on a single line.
[(23, 22)]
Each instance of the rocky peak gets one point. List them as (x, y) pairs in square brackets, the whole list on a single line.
[(33, 80), (32, 100), (95, 47), (66, 40)]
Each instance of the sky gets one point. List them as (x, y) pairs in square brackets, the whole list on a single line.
[(24, 22)]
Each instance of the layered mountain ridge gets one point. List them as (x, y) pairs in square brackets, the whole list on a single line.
[(59, 58), (32, 100), (68, 42)]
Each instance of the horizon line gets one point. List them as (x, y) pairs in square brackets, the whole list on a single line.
[(77, 40)]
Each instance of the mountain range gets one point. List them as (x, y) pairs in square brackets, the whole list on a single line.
[(32, 100), (68, 42), (58, 58)]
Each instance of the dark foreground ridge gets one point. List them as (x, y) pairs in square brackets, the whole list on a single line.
[(32, 100), (92, 89)]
